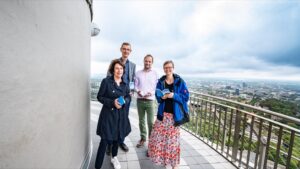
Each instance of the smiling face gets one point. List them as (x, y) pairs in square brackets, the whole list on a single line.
[(148, 61), (118, 70), (168, 69), (125, 50)]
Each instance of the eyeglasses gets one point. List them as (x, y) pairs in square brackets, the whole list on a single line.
[(168, 67)]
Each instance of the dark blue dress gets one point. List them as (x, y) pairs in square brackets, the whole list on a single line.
[(113, 123)]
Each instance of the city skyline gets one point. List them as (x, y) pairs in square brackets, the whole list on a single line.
[(229, 39)]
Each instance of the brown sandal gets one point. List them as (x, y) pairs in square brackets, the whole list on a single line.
[(141, 143)]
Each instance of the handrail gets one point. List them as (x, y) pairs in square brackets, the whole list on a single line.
[(291, 119), (272, 143), (253, 114)]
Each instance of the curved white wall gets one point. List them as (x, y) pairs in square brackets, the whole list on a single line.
[(44, 83)]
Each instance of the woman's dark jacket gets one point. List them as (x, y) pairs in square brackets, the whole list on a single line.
[(113, 123), (180, 99)]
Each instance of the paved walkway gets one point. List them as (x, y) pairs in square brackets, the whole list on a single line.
[(194, 153)]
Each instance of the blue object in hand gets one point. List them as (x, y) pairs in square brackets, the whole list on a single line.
[(162, 93), (121, 100)]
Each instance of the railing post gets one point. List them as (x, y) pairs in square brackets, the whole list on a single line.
[(236, 136), (262, 154), (225, 137)]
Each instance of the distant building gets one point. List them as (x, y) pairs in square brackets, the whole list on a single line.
[(237, 92), (244, 85), (228, 87), (244, 96)]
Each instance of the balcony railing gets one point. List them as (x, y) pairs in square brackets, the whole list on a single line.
[(248, 136)]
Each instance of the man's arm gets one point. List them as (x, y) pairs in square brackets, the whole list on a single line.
[(133, 71), (136, 83)]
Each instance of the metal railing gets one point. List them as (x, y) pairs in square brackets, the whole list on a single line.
[(248, 136)]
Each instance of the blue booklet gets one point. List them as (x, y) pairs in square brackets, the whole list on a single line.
[(121, 100), (161, 93)]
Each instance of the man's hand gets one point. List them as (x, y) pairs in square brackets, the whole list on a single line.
[(139, 93), (131, 93), (148, 94), (117, 104)]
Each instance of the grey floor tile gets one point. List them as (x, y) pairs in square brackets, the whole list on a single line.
[(146, 164), (200, 159), (184, 167), (206, 166), (196, 167), (122, 157), (194, 152), (124, 165), (185, 153), (132, 157), (190, 160), (142, 156), (134, 165)]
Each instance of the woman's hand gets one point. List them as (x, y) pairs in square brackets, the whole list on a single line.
[(164, 97), (117, 104), (170, 95)]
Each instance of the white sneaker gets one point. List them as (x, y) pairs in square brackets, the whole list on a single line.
[(115, 162)]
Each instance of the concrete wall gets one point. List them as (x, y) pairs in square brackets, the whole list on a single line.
[(44, 83)]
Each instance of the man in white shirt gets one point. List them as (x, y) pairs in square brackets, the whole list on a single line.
[(145, 85)]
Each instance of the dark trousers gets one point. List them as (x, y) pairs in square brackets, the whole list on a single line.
[(121, 140), (101, 152)]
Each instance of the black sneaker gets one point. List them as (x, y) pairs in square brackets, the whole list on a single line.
[(124, 147), (108, 150)]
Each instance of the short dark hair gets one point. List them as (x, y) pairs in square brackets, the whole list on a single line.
[(126, 44), (169, 61), (149, 55), (112, 65)]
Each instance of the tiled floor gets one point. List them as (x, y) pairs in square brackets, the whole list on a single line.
[(194, 153)]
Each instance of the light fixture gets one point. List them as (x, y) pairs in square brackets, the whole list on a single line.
[(95, 30)]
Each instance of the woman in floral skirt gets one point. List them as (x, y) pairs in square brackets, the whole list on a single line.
[(164, 142)]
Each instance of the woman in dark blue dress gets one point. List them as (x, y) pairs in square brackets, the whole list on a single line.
[(113, 123)]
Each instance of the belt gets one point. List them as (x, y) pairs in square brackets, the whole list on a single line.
[(143, 99)]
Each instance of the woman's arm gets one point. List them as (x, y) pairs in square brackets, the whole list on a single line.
[(183, 95), (102, 98), (158, 98)]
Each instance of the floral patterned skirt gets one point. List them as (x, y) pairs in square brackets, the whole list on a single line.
[(164, 142)]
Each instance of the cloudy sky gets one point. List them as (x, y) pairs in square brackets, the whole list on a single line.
[(227, 39)]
